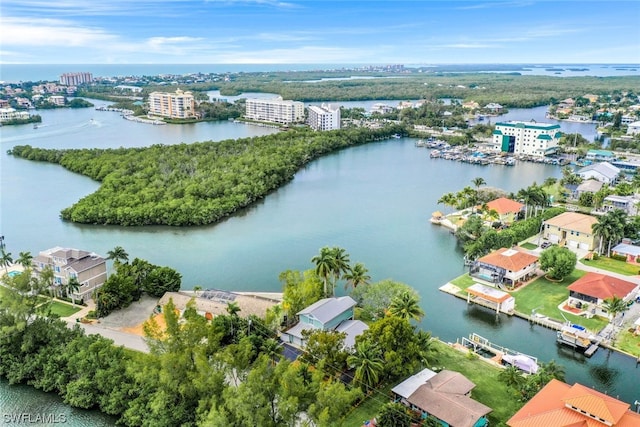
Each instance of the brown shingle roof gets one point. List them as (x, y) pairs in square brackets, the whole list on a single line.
[(573, 221), (547, 408), (509, 259), (602, 286), (444, 396), (505, 206)]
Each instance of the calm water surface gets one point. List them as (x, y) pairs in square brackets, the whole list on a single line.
[(374, 200)]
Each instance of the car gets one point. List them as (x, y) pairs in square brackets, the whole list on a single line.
[(545, 245)]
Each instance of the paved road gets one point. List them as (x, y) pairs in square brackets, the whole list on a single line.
[(131, 341)]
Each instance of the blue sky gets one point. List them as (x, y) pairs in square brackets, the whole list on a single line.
[(322, 32)]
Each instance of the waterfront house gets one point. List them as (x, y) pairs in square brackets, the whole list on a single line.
[(327, 314), (633, 128), (505, 267), (506, 209), (604, 172), (445, 395), (494, 108), (593, 289), (624, 203), (589, 186), (561, 405), (575, 230), (89, 269)]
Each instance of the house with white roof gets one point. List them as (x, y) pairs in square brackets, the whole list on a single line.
[(604, 172), (327, 314), (527, 138), (627, 204), (633, 128)]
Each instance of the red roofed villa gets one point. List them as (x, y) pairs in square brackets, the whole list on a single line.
[(594, 288), (506, 266), (560, 405), (507, 209)]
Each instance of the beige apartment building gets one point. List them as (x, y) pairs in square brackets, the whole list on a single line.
[(571, 229), (178, 105)]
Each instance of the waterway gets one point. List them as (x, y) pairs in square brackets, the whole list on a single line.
[(373, 200)]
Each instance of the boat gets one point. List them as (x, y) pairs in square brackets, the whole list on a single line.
[(35, 126), (396, 135), (522, 362), (574, 336)]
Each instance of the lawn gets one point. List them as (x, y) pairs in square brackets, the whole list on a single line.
[(63, 310), (628, 342), (613, 265), (530, 246), (489, 390), (545, 296), (463, 282)]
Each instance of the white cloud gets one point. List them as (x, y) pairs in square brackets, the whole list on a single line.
[(49, 32)]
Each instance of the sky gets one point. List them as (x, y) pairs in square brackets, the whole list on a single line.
[(319, 32)]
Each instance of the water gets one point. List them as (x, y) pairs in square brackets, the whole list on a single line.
[(13, 73), (17, 401), (374, 200)]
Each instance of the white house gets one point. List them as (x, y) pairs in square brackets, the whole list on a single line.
[(325, 117), (604, 172)]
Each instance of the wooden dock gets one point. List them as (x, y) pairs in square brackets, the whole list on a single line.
[(592, 349)]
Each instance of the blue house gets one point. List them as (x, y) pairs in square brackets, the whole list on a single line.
[(445, 395), (328, 314)]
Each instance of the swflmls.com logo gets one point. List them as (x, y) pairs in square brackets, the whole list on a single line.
[(29, 418)]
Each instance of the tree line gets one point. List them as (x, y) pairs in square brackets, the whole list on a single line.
[(192, 184)]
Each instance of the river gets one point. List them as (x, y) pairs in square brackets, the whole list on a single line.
[(373, 200)]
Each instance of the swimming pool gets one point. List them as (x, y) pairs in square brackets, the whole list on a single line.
[(13, 273)]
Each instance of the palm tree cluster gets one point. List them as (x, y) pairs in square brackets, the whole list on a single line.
[(610, 228), (533, 197), (332, 264)]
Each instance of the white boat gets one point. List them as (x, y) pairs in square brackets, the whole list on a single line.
[(522, 362)]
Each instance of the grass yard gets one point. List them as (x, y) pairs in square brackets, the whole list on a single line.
[(463, 282), (489, 390), (545, 296), (528, 245), (63, 309), (628, 342), (613, 265)]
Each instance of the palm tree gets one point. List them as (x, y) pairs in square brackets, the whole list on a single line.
[(448, 199), (72, 287), (25, 259), (5, 260), (602, 230), (272, 349), (233, 308), (340, 264), (357, 275), (511, 376), (614, 306), (368, 364), (553, 370), (118, 254), (324, 266), (406, 306), (478, 182)]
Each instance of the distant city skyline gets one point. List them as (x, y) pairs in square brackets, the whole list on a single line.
[(318, 32)]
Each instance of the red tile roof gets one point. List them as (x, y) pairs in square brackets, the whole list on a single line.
[(505, 206), (549, 408), (602, 286), (509, 259)]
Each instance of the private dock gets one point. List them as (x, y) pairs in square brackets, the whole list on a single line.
[(592, 349), (493, 351)]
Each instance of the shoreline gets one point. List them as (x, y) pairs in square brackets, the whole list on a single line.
[(545, 321)]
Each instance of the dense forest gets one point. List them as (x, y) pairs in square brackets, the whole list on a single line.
[(512, 91), (192, 184)]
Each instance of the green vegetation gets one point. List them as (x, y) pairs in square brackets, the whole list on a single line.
[(35, 118), (63, 310), (628, 342), (613, 265), (558, 262), (528, 245), (192, 184), (130, 280)]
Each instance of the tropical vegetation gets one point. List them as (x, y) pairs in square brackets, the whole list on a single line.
[(192, 184)]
